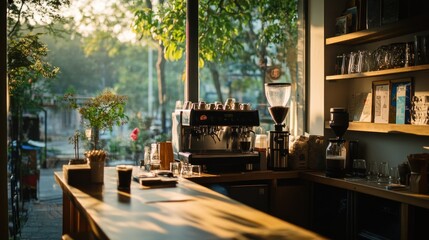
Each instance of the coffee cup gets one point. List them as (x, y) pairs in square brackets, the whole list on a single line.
[(124, 176)]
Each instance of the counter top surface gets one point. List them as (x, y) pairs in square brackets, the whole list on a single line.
[(369, 187), (188, 211), (244, 176)]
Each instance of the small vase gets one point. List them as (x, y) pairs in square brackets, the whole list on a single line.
[(96, 159), (97, 171)]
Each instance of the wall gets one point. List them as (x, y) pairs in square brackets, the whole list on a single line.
[(316, 69)]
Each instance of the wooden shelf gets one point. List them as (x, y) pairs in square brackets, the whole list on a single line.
[(407, 26), (424, 67), (419, 130)]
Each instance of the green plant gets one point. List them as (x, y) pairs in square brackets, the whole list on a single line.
[(75, 141), (100, 113)]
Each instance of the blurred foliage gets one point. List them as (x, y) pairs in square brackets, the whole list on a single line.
[(26, 69), (100, 113)]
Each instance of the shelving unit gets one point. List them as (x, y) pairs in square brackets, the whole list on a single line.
[(419, 130), (408, 26), (386, 72), (350, 40)]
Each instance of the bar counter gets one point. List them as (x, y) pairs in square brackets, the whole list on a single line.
[(371, 188), (187, 211)]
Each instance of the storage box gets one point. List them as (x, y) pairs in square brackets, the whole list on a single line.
[(77, 174)]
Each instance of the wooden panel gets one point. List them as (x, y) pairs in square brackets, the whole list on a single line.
[(419, 130), (378, 73), (404, 27)]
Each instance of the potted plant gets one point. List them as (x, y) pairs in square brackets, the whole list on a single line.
[(100, 113), (75, 141)]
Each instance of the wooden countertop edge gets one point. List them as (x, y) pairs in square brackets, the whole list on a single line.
[(402, 196), (70, 193), (245, 176), (92, 224)]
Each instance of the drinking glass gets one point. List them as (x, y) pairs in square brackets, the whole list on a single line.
[(229, 103), (372, 171), (124, 176), (394, 175), (155, 160), (353, 62), (195, 170), (359, 168), (174, 168), (185, 169), (383, 172)]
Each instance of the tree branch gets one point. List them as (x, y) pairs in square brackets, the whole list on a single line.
[(18, 20)]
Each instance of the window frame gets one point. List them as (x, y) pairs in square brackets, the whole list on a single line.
[(192, 84)]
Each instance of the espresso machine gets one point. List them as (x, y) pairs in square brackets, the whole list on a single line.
[(215, 137), (278, 95)]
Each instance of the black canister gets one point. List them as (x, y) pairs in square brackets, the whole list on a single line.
[(339, 121)]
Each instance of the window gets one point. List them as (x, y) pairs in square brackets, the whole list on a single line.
[(244, 44)]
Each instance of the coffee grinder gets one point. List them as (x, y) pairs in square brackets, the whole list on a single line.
[(278, 95), (336, 152)]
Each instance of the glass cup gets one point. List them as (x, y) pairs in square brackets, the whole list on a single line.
[(175, 168), (195, 170), (383, 172), (229, 103), (359, 168), (179, 104), (372, 171), (155, 160), (124, 176), (394, 175), (246, 143), (185, 169), (245, 106), (236, 106)]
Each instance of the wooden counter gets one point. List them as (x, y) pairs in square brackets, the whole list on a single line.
[(188, 211), (361, 209), (245, 176), (370, 188)]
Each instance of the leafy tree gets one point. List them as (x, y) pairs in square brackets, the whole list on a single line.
[(100, 113), (27, 68), (228, 30), (78, 71)]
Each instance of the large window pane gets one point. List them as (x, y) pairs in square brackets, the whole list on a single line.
[(244, 44)]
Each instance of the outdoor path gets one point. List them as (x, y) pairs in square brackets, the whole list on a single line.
[(45, 215)]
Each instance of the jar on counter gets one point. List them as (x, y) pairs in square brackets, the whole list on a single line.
[(145, 163), (336, 158), (155, 160)]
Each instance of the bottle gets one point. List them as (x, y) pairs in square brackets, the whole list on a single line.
[(155, 160), (336, 154), (146, 160)]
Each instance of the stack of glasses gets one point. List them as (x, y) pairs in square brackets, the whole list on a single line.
[(420, 110)]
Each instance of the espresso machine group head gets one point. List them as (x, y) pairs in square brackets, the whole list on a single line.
[(219, 139), (278, 95)]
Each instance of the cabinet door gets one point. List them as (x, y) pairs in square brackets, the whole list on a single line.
[(330, 211), (291, 201), (254, 195), (377, 218), (417, 222)]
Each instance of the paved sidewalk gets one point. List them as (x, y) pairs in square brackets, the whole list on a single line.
[(44, 221), (45, 215)]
